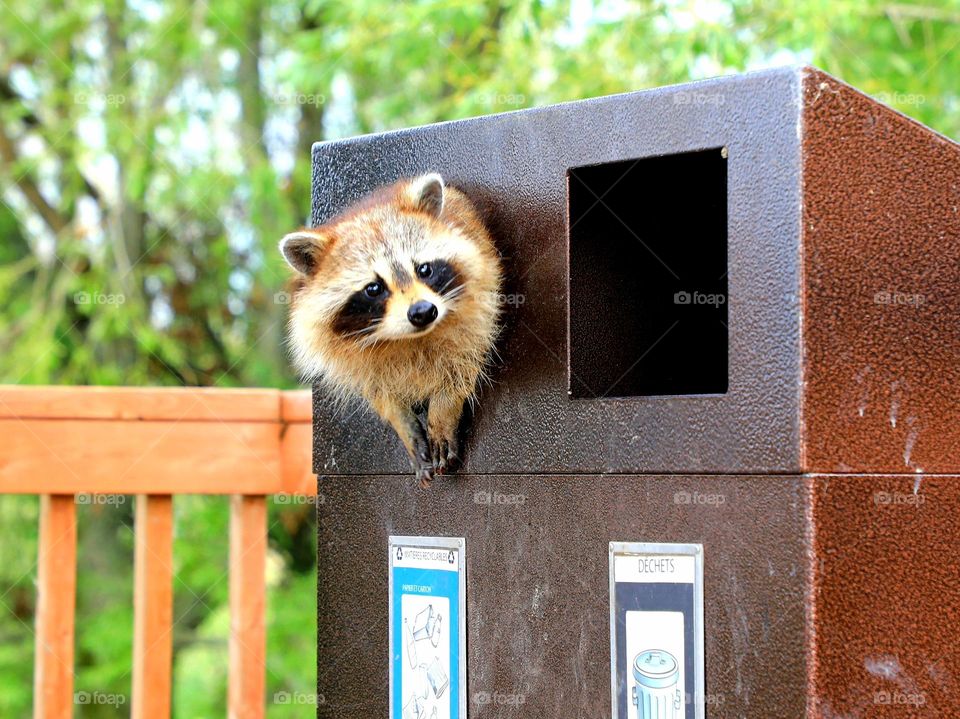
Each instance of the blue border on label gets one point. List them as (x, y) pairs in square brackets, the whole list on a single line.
[(431, 583)]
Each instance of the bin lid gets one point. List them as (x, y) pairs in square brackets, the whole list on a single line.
[(656, 668)]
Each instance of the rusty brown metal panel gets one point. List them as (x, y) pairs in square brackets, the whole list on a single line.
[(887, 596), (537, 585), (881, 247), (515, 166)]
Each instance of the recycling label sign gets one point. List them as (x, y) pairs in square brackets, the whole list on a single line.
[(656, 630), (428, 654)]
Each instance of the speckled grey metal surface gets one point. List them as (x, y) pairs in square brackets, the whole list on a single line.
[(515, 166), (537, 600)]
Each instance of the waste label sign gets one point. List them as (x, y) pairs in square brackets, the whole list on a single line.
[(427, 628), (656, 630)]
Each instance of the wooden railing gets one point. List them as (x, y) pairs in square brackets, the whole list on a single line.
[(60, 442)]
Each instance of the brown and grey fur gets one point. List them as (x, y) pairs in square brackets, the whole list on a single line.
[(417, 379)]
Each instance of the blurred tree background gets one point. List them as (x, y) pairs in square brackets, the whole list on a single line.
[(153, 151)]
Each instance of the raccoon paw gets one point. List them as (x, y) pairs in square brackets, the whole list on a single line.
[(422, 463), (445, 454), (422, 453)]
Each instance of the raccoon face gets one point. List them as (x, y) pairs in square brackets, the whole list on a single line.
[(393, 270), (402, 296)]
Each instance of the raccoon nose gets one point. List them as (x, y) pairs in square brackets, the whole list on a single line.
[(422, 313)]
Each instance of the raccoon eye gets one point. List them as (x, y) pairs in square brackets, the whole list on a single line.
[(374, 289), (424, 270)]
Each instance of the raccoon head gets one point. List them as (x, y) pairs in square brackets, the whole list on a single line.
[(390, 269)]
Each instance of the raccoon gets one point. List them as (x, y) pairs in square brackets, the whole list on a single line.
[(397, 301)]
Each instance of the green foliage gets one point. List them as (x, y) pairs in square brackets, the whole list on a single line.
[(152, 153), (104, 624), (18, 551)]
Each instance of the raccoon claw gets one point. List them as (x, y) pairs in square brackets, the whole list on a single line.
[(422, 466), (424, 477), (445, 455), (436, 450)]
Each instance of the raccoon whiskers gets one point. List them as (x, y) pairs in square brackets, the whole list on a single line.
[(451, 299), (369, 329), (454, 294), (447, 284), (495, 355), (371, 341)]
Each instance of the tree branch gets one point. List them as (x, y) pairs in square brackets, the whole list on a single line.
[(252, 107), (30, 120), (50, 215)]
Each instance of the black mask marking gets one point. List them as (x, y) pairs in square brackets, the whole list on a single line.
[(444, 278), (360, 312)]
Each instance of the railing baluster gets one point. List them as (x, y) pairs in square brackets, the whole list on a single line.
[(153, 607), (200, 441), (248, 636), (56, 599)]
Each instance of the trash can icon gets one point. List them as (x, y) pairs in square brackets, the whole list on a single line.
[(656, 694)]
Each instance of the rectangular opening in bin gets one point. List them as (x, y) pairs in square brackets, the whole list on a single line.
[(648, 276)]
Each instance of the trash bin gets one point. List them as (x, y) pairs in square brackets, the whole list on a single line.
[(655, 693), (730, 320)]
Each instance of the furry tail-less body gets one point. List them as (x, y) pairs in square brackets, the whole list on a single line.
[(398, 302)]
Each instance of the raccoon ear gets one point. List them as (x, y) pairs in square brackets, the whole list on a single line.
[(426, 193), (303, 249)]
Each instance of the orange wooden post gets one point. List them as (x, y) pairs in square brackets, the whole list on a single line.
[(296, 443), (248, 635), (153, 607), (56, 599)]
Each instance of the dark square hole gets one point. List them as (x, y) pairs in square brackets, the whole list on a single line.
[(648, 276)]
